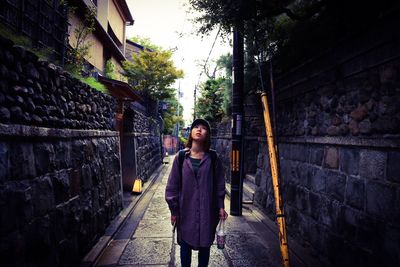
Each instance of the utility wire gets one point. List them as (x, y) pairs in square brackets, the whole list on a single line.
[(209, 54)]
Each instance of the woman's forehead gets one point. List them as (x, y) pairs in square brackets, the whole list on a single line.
[(200, 124)]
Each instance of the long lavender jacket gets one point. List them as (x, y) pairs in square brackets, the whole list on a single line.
[(195, 204)]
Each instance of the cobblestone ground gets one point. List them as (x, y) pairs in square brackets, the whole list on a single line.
[(152, 244)]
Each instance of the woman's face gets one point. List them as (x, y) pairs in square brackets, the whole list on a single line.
[(199, 132)]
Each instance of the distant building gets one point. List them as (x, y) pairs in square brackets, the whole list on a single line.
[(108, 40), (42, 22), (132, 48)]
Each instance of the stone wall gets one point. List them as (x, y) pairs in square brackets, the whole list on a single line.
[(146, 130), (221, 142), (60, 175), (339, 145)]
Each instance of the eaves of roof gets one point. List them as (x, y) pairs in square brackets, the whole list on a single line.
[(125, 10), (120, 90)]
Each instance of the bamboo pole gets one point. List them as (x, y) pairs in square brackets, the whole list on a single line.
[(280, 217)]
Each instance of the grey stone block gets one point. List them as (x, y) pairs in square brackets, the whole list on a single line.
[(43, 195), (381, 199), (290, 193), (316, 155), (4, 161), (77, 155), (393, 166), (368, 232), (305, 173), (349, 160), (318, 181), (355, 192), (299, 152), (61, 185), (330, 213), (44, 157), (62, 155), (348, 223), (391, 245), (22, 161), (331, 158), (315, 205), (372, 164), (260, 161), (86, 178), (335, 185)]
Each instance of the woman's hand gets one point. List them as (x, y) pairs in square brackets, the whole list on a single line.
[(174, 219), (222, 214)]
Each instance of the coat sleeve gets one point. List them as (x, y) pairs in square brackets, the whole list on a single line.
[(172, 188), (220, 176)]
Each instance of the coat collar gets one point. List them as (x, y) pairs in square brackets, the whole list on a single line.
[(205, 157)]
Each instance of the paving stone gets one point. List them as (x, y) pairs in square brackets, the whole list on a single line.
[(244, 246), (217, 257), (141, 251), (237, 225), (154, 228), (157, 213)]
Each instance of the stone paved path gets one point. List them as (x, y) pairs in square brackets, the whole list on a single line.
[(152, 243)]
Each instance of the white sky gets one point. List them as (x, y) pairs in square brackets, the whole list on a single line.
[(162, 21)]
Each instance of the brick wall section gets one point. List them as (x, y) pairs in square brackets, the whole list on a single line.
[(339, 132), (60, 175)]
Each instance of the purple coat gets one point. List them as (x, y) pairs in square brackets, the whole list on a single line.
[(195, 205)]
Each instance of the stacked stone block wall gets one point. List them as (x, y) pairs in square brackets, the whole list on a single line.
[(339, 148), (147, 132), (60, 174), (221, 142)]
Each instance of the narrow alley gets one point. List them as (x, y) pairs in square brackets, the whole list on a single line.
[(144, 237), (299, 100)]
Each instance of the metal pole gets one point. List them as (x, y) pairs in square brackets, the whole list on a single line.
[(177, 131), (273, 160), (237, 123), (194, 105)]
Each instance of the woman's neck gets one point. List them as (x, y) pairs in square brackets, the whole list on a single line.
[(197, 148)]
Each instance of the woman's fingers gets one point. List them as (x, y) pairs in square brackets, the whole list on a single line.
[(173, 219), (222, 214)]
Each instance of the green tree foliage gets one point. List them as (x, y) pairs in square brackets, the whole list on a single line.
[(146, 43), (225, 63), (295, 29), (210, 104), (171, 116), (152, 72), (78, 53), (215, 98), (109, 70)]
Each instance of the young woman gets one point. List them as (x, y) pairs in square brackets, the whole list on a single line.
[(195, 195)]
